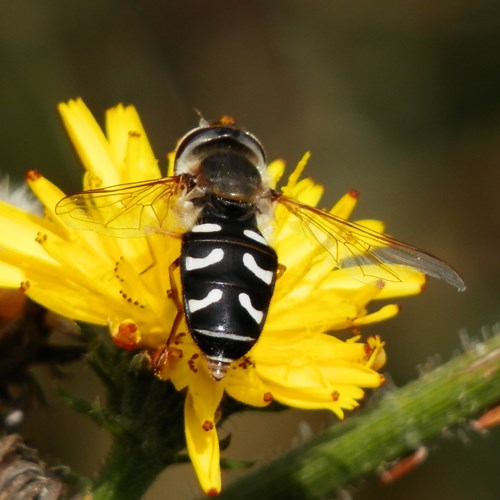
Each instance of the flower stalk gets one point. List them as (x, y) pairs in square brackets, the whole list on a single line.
[(143, 415), (128, 472), (402, 421)]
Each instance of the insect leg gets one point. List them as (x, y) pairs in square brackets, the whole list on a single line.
[(162, 358)]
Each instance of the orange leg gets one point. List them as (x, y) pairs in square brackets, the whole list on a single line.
[(165, 355)]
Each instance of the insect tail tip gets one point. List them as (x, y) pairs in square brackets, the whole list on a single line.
[(217, 368)]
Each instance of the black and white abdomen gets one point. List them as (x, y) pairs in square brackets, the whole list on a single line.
[(228, 273)]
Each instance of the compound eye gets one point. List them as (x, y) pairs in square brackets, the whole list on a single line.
[(201, 142)]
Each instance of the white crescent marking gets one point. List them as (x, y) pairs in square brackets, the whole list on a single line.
[(213, 296), (255, 236), (249, 308), (251, 264), (206, 228), (216, 255)]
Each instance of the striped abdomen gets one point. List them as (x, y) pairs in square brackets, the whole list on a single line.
[(228, 273)]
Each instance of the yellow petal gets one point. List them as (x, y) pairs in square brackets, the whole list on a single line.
[(69, 301), (275, 171), (384, 313), (10, 275), (46, 192), (246, 386), (295, 175), (372, 224), (378, 356), (22, 229), (201, 434), (131, 147), (344, 207), (410, 282), (90, 143)]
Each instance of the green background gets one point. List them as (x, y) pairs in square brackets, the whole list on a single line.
[(400, 100)]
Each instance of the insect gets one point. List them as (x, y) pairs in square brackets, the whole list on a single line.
[(215, 202)]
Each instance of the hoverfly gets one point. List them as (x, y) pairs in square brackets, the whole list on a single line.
[(228, 271)]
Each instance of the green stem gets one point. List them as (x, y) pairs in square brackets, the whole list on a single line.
[(401, 422), (127, 473), (144, 416)]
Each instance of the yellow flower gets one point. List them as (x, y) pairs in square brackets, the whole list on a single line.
[(123, 283)]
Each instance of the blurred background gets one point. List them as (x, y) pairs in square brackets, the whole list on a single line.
[(400, 100)]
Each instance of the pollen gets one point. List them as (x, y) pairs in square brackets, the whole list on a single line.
[(335, 395), (117, 266), (208, 425), (192, 363), (41, 237), (178, 338), (130, 300), (268, 397), (126, 336), (353, 193), (246, 363), (24, 286), (32, 175)]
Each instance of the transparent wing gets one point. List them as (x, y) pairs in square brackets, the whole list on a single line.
[(124, 210), (369, 253)]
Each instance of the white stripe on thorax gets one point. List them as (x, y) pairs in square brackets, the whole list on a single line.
[(213, 296), (222, 335), (255, 236), (246, 303), (216, 255), (208, 227), (251, 264)]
